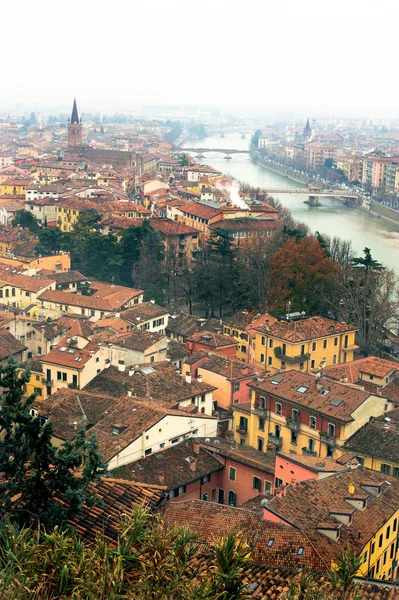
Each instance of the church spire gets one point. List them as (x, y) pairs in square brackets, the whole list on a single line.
[(75, 116)]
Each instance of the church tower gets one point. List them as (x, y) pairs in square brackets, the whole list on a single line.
[(75, 139), (307, 132)]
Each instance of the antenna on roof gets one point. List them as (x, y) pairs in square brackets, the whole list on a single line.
[(85, 419)]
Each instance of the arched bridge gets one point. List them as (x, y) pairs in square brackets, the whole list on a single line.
[(314, 194), (221, 150)]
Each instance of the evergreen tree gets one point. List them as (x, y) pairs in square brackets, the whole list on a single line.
[(37, 478)]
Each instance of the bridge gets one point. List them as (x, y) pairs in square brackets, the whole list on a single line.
[(313, 193), (221, 150)]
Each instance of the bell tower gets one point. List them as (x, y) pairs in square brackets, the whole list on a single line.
[(75, 139)]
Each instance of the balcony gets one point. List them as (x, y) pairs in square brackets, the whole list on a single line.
[(307, 452), (293, 425), (241, 430), (49, 382), (274, 439), (290, 359), (261, 412), (330, 440), (73, 386)]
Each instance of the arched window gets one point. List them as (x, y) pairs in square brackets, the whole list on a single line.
[(7, 293), (13, 292), (232, 498)]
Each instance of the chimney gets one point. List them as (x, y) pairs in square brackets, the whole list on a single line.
[(161, 479), (131, 371), (244, 370), (319, 386), (152, 301), (199, 378), (193, 464), (196, 448), (121, 366), (188, 377)]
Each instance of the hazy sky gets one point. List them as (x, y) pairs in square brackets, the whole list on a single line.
[(338, 56)]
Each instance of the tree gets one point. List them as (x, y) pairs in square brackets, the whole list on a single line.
[(184, 162), (50, 240), (300, 273), (26, 219), (37, 478)]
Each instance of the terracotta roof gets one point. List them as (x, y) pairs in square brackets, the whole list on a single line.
[(137, 340), (243, 319), (185, 324), (211, 339), (168, 227), (23, 282), (49, 330), (172, 467), (115, 323), (306, 329), (106, 297), (9, 345), (247, 224), (176, 350), (338, 403), (77, 325), (156, 380), (65, 412), (210, 520), (379, 367), (69, 355), (319, 465), (246, 455), (228, 367), (309, 503), (142, 312), (378, 439), (115, 497), (199, 210), (69, 277)]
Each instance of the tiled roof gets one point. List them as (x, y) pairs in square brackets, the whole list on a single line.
[(9, 345), (185, 324), (243, 319), (176, 350), (309, 503), (156, 380), (117, 324), (306, 329), (77, 325), (211, 339), (171, 467), (168, 227), (65, 412), (136, 340), (378, 438), (68, 355), (319, 465), (69, 277), (115, 497), (264, 461), (143, 312), (372, 365), (210, 520), (326, 404), (228, 367), (104, 298), (199, 210), (24, 282), (49, 330)]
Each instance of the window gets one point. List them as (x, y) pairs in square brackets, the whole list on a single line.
[(59, 375), (314, 347), (270, 361), (395, 525), (270, 543), (300, 550), (311, 445), (386, 469), (331, 429), (232, 474), (256, 483), (279, 408), (373, 548), (380, 541), (205, 497), (335, 341), (284, 350), (242, 442), (38, 391), (295, 415), (303, 349), (385, 558), (324, 344), (365, 556), (313, 422), (294, 437), (334, 359), (64, 377), (396, 471), (262, 402), (244, 349), (278, 482), (39, 350), (388, 532), (312, 364), (268, 487), (271, 343), (148, 451), (260, 444), (232, 498), (236, 387), (243, 426), (206, 479), (262, 358), (277, 430), (29, 354), (261, 424)]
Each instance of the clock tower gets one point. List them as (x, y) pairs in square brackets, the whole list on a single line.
[(75, 139)]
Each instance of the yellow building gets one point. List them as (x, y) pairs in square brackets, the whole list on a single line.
[(358, 509), (303, 345), (239, 327), (14, 186), (36, 383), (303, 414)]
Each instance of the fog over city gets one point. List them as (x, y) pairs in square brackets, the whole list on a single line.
[(283, 58)]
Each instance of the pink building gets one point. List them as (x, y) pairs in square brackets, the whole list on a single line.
[(293, 468)]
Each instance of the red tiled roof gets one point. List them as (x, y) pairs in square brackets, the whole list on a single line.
[(306, 329), (372, 365)]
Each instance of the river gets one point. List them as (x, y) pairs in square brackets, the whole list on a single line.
[(332, 217)]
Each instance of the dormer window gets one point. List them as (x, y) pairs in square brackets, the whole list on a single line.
[(329, 530), (117, 429)]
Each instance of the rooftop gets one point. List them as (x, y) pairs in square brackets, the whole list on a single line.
[(305, 329)]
